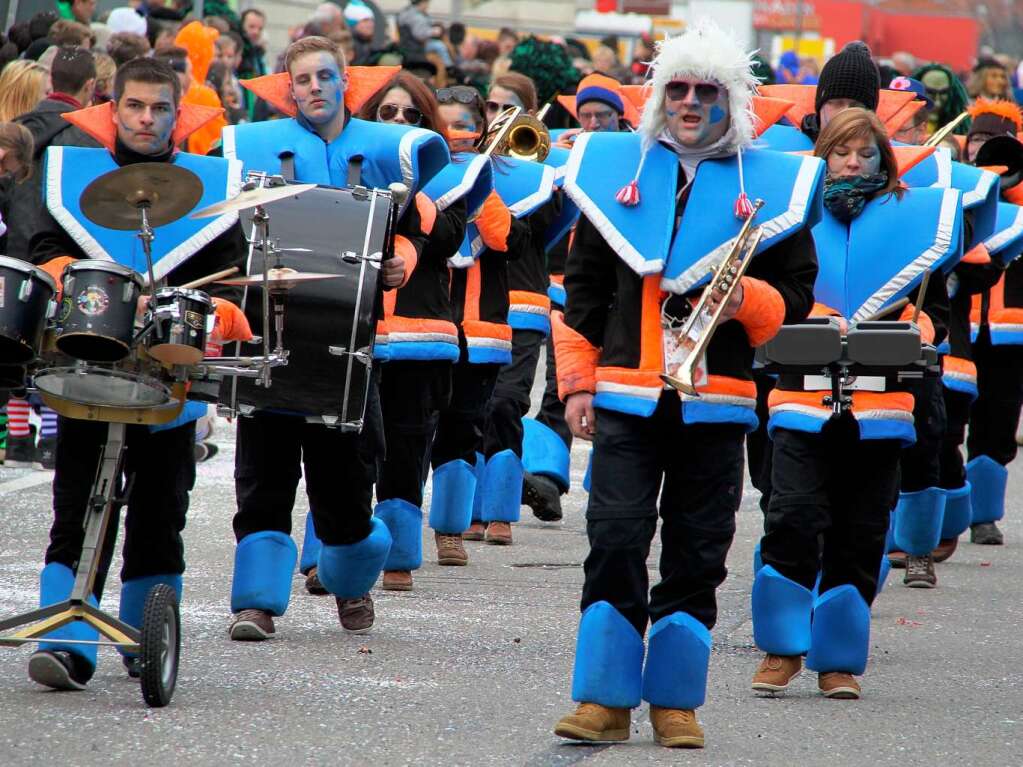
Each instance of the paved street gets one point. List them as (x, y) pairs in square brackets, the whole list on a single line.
[(474, 667)]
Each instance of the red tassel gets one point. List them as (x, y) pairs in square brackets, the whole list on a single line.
[(743, 207), (629, 194)]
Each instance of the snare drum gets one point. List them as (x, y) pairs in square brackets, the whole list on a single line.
[(183, 318), (97, 314), (84, 384), (25, 295)]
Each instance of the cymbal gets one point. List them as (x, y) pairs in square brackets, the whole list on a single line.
[(252, 198), (168, 191), (278, 279)]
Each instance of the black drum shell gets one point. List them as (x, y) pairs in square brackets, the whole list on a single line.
[(187, 330), (22, 322), (96, 320)]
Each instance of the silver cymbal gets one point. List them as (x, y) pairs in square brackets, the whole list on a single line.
[(166, 190), (278, 279), (253, 198)]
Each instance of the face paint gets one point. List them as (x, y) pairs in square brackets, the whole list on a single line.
[(717, 114), (145, 116), (693, 123), (318, 87)]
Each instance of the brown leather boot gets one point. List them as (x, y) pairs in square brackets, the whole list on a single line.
[(397, 580), (676, 727), (450, 550), (776, 671), (946, 548), (595, 723), (499, 534), (475, 532), (839, 685)]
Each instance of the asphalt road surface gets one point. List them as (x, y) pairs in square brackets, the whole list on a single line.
[(474, 666)]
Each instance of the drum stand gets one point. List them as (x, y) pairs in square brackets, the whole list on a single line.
[(158, 642)]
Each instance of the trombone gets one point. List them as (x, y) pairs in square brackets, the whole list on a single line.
[(695, 334)]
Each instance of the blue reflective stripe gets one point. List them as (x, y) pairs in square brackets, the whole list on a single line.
[(885, 429), (556, 293), (958, 385), (795, 421), (1005, 337), (482, 355)]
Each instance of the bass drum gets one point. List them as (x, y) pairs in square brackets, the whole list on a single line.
[(330, 325)]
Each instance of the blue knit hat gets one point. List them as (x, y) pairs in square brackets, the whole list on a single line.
[(596, 92)]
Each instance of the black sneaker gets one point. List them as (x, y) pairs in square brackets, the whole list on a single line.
[(542, 496), (985, 534), (920, 572), (21, 452), (46, 453), (59, 670)]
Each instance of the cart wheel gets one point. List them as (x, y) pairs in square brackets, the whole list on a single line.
[(160, 645)]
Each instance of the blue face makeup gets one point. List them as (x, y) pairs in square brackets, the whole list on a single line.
[(717, 114)]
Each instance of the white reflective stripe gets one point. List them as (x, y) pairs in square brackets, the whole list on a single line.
[(860, 383), (883, 414), (721, 399), (465, 185), (783, 222), (981, 190), (529, 309), (422, 337), (644, 392), (485, 342), (228, 142), (405, 158), (1000, 239), (959, 375), (1005, 325), (821, 413), (615, 239), (942, 242), (539, 197), (943, 159), (55, 204)]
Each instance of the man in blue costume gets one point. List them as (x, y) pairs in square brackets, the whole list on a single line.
[(322, 144), (648, 250), (143, 124)]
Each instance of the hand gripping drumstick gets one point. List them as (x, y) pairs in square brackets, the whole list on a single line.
[(209, 278)]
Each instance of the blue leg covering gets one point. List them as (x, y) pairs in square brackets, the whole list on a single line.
[(502, 488), (758, 562), (310, 546), (55, 584), (988, 479), (608, 659), (882, 574), (889, 540), (405, 524), (477, 498), (840, 637), (781, 613), (675, 675), (454, 485), (958, 512), (350, 571), (133, 598), (263, 564), (545, 453), (918, 520), (588, 476)]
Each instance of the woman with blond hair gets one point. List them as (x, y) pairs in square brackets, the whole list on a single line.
[(23, 84)]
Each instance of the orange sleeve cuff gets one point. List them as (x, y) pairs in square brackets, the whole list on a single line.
[(977, 255), (427, 213), (576, 359), (923, 322), (231, 323), (762, 311), (55, 268), (494, 223), (403, 247)]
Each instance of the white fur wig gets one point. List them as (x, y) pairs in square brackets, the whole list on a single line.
[(708, 52)]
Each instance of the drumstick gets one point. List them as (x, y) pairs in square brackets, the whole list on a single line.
[(209, 278), (887, 310)]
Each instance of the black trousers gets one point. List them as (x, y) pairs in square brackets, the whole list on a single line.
[(161, 466), (460, 427), (758, 444), (832, 494), (510, 401), (340, 469), (920, 463), (412, 397), (995, 413), (697, 470), (552, 409), (957, 415)]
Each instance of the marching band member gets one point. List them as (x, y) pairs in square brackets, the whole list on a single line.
[(144, 123), (323, 144), (996, 315), (529, 318), (465, 480), (684, 178), (814, 497), (421, 339)]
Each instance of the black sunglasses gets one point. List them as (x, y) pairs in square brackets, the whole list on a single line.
[(493, 106), (462, 94), (935, 92), (706, 93), (388, 112)]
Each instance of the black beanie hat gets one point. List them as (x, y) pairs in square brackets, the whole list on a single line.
[(849, 74)]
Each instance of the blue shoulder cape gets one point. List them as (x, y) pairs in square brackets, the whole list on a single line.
[(467, 176)]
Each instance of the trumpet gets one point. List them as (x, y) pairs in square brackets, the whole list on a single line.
[(518, 135), (694, 336)]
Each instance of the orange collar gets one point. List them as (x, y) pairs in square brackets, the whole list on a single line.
[(98, 122), (363, 82)]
